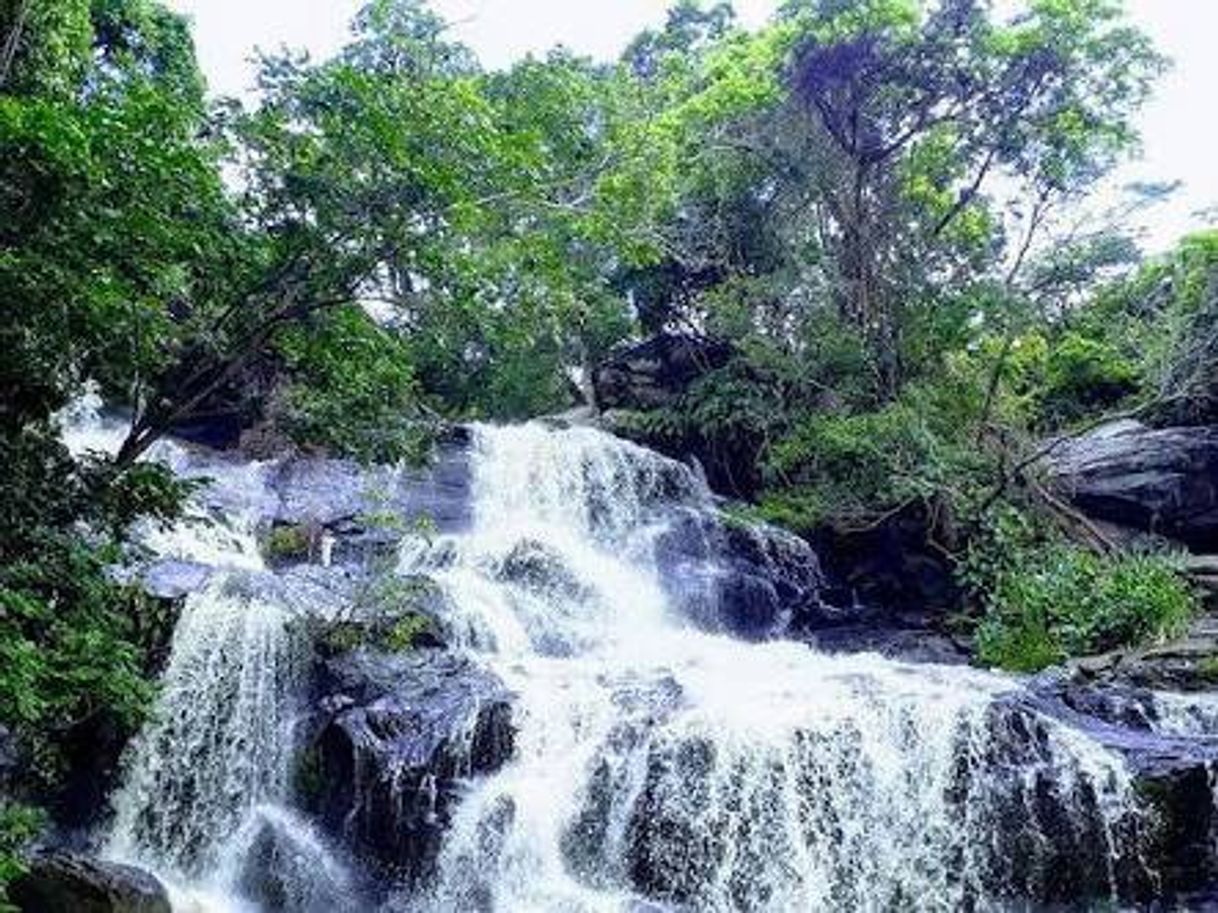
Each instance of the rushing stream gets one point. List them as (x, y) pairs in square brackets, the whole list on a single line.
[(656, 764)]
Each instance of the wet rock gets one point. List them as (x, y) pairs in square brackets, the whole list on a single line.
[(173, 579), (391, 614), (750, 580), (399, 736), (915, 645), (1172, 774), (1159, 480), (284, 866), (530, 564), (58, 882)]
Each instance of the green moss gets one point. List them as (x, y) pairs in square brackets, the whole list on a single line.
[(403, 634), (1207, 668), (288, 542)]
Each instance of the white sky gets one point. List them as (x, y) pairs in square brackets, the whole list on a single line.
[(1179, 127)]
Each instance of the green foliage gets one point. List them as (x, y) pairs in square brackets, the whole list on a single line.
[(1085, 376), (406, 631), (1060, 601), (825, 194), (289, 542), (1070, 376), (850, 468), (19, 824), (371, 412)]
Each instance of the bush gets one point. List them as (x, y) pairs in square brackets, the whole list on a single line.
[(1057, 601), (19, 824), (1083, 377), (851, 467)]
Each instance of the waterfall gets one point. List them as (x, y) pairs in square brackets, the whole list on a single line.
[(657, 765), (715, 774), (220, 740)]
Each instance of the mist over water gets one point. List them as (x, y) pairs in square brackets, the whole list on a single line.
[(656, 766)]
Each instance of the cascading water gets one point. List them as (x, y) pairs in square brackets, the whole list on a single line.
[(656, 759), (208, 777), (655, 765)]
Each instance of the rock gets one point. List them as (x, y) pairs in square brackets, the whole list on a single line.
[(325, 492), (751, 580), (531, 565), (399, 735), (59, 882), (653, 373), (914, 645), (173, 579), (1171, 773), (892, 569), (1189, 663), (392, 614), (1159, 480)]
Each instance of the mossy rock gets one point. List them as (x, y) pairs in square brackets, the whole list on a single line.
[(290, 543), (396, 634)]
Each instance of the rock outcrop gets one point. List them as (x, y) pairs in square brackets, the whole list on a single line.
[(59, 882), (653, 373), (1157, 480), (749, 580), (398, 733), (1170, 769)]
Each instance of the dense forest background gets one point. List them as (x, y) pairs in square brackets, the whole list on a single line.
[(867, 223)]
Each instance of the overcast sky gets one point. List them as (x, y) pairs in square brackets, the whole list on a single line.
[(1179, 127)]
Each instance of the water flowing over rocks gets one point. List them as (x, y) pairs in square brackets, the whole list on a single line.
[(749, 580), (585, 686), (400, 734)]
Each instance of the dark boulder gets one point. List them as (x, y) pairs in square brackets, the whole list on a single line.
[(533, 566), (751, 580), (891, 567), (653, 373), (1170, 841), (58, 882), (399, 735), (1159, 480), (914, 645)]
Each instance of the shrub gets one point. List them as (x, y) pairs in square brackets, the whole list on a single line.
[(19, 824), (856, 466), (289, 542), (1084, 376), (1057, 601)]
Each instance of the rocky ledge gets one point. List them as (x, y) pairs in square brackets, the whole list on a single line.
[(1156, 480)]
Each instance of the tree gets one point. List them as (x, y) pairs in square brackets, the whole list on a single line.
[(918, 109)]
